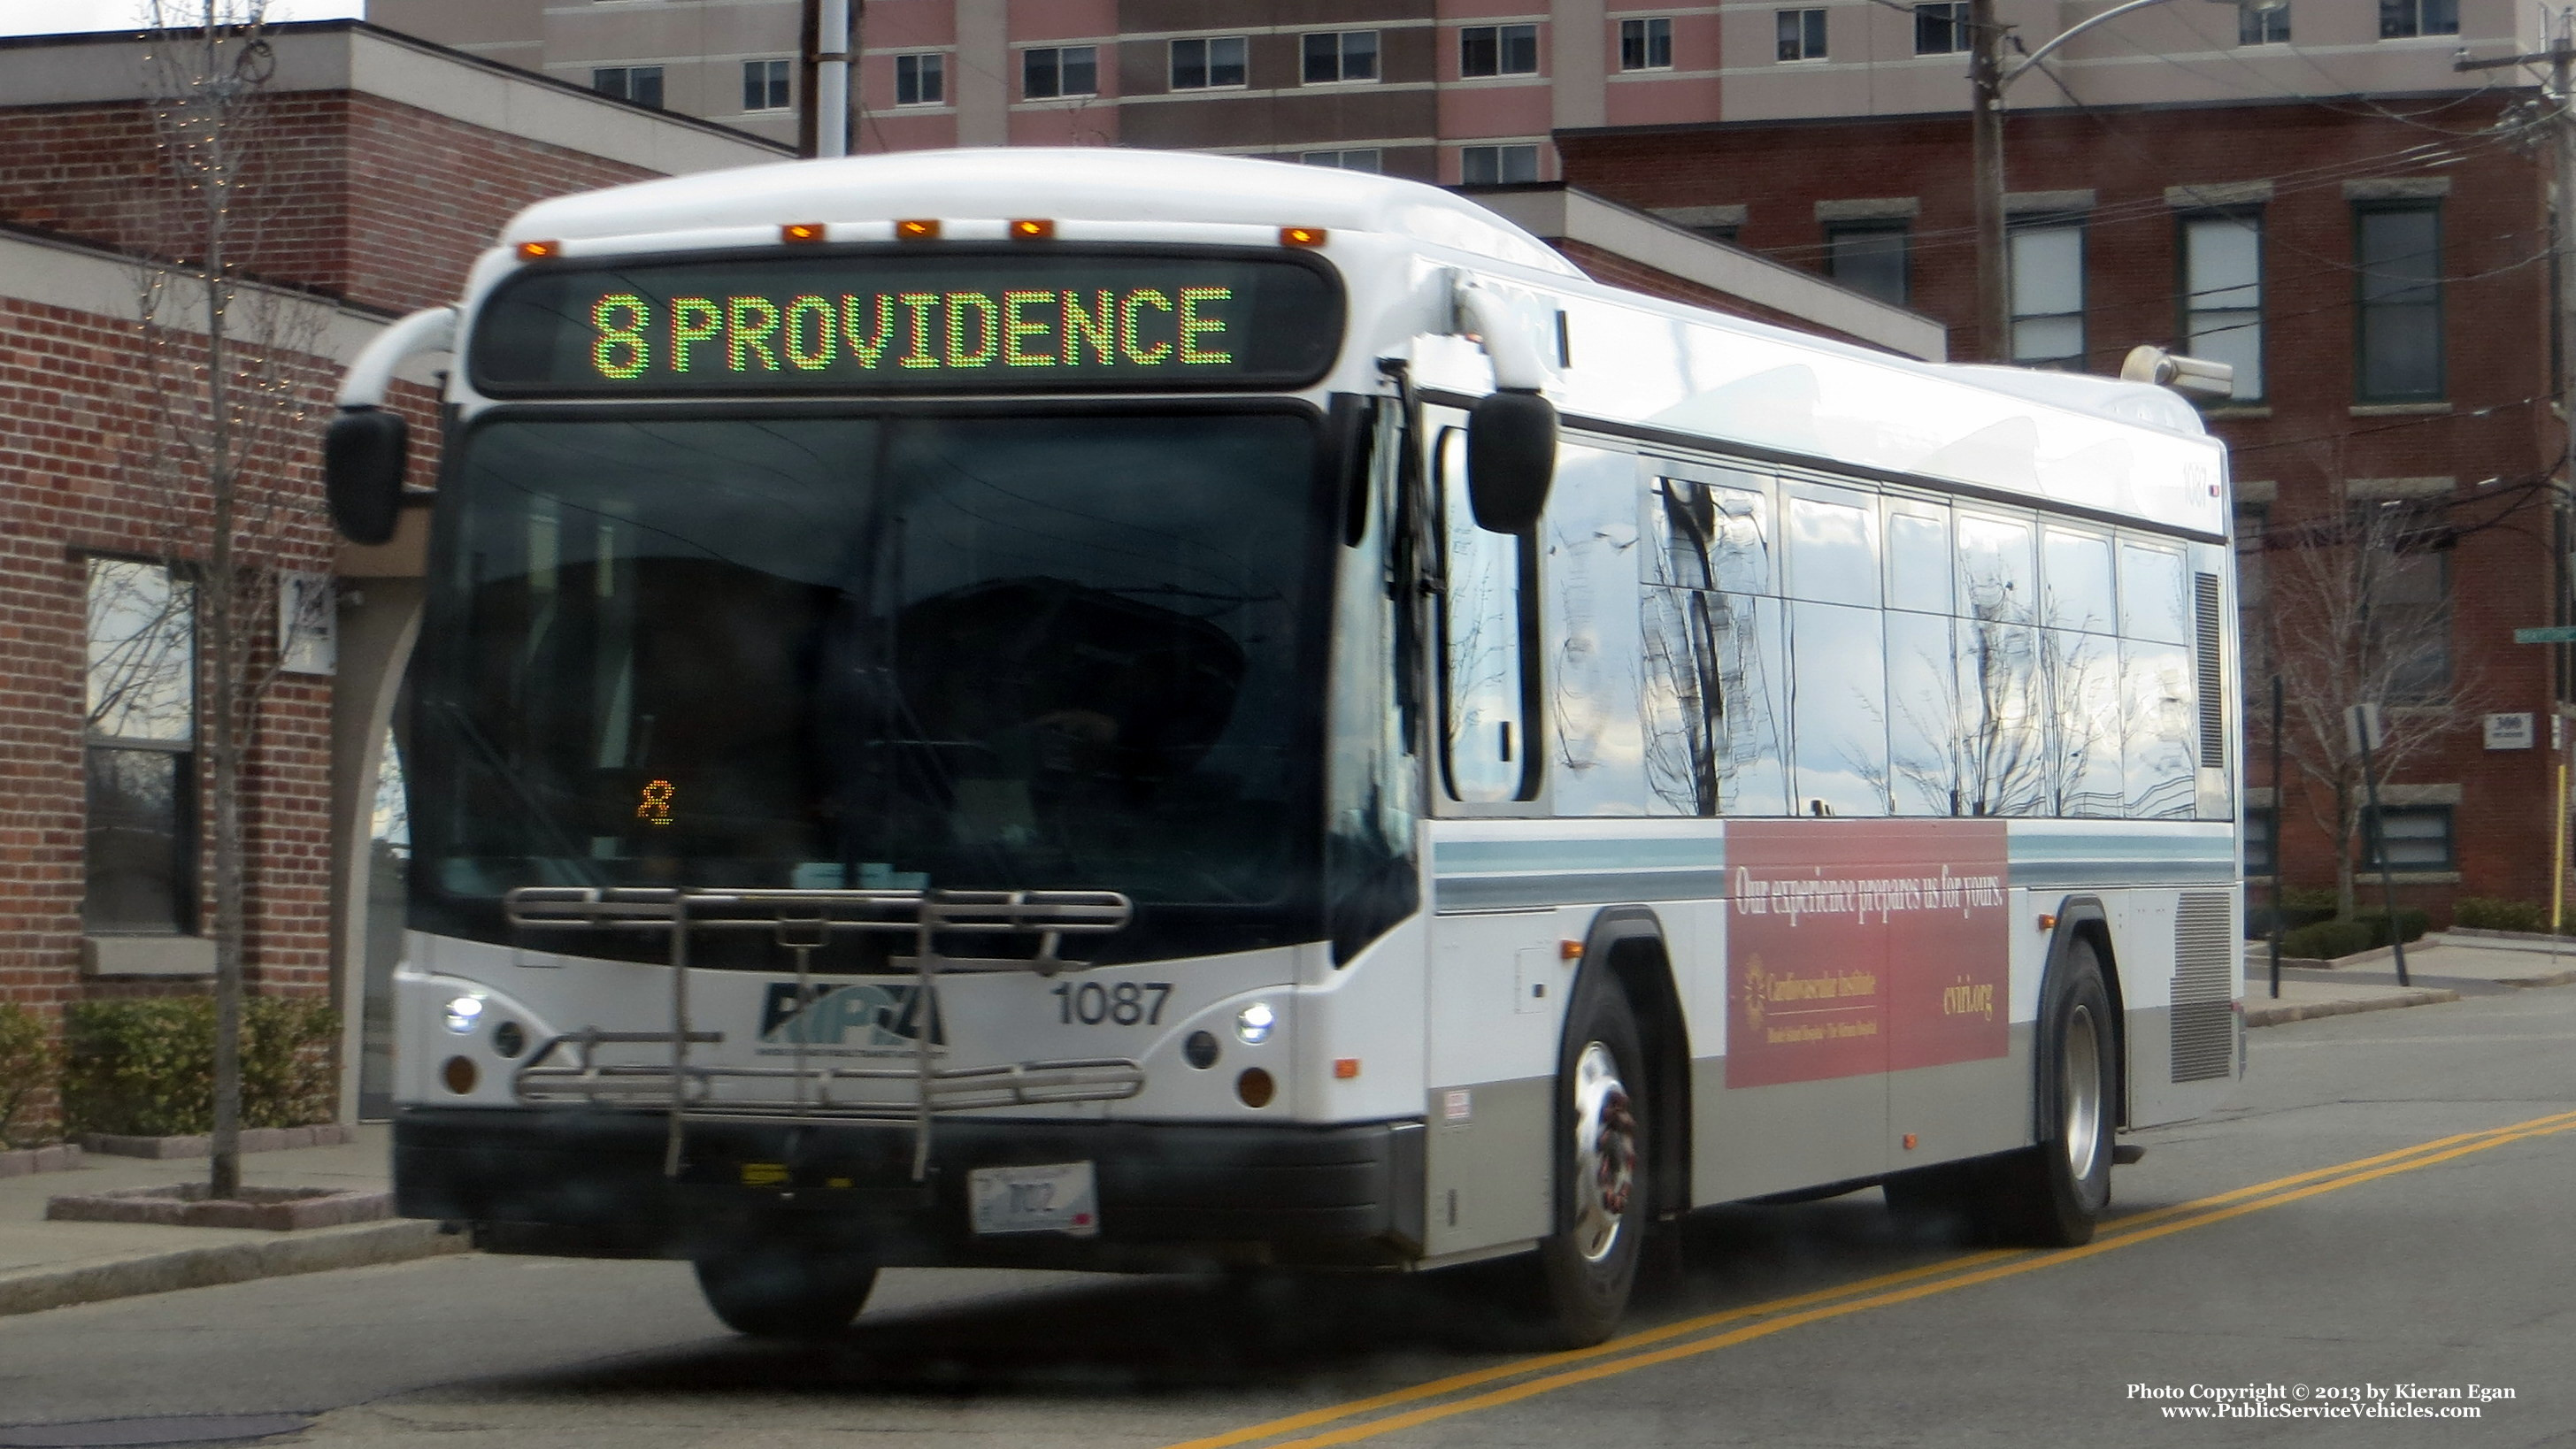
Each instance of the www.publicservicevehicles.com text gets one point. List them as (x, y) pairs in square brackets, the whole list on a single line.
[(2321, 1401)]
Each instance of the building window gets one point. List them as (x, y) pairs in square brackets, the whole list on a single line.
[(2397, 251), (2409, 620), (764, 85), (921, 80), (2222, 296), (1869, 257), (1369, 159), (1208, 64), (1802, 35), (641, 84), (2261, 841), (2048, 296), (139, 864), (1943, 29), (1646, 44), (2253, 603), (2404, 19), (1341, 55), (2257, 24), (1498, 50), (2409, 837), (1047, 72), (1497, 165)]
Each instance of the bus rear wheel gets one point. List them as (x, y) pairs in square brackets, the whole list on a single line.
[(782, 1292), (2052, 1194), (1588, 1267)]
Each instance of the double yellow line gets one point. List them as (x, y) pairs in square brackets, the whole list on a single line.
[(1526, 1378)]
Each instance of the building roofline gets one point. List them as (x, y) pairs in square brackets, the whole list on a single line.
[(368, 59), (1960, 115), (1555, 211)]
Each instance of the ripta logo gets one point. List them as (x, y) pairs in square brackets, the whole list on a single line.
[(879, 1015)]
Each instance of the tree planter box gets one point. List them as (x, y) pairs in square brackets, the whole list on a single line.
[(61, 1157), (253, 1139), (185, 1205)]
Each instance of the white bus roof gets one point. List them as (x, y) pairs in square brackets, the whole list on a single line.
[(2093, 442)]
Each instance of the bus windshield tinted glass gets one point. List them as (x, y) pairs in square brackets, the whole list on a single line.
[(1027, 652), (942, 319)]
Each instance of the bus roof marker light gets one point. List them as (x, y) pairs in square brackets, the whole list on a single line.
[(801, 231), (2048, 923), (1569, 950), (1302, 236), (537, 251), (917, 229), (1032, 228), (1345, 1068)]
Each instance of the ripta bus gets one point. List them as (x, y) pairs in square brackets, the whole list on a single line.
[(1118, 710)]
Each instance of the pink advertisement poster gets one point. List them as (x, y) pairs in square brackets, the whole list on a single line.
[(1863, 946)]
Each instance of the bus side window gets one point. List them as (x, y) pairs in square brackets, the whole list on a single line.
[(2158, 704), (1593, 636), (1837, 640), (1485, 734), (2001, 748)]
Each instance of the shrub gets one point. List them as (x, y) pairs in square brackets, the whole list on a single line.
[(27, 1067), (2412, 921), (147, 1067), (2487, 913), (2326, 940), (2308, 898)]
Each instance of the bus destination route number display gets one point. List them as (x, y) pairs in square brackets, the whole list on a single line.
[(914, 322)]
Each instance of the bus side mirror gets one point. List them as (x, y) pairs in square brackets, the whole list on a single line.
[(362, 472), (1511, 460)]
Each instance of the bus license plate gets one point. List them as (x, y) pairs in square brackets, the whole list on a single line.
[(1056, 1198)]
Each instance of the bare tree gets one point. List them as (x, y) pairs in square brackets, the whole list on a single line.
[(229, 379), (2359, 614)]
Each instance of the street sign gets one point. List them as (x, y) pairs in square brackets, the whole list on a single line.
[(2364, 729), (2552, 634)]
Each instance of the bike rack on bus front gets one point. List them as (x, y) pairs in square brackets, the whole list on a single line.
[(802, 920)]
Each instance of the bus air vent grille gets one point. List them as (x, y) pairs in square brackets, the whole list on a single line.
[(2213, 693), (2204, 1017)]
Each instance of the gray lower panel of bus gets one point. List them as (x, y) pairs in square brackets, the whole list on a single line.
[(583, 1183)]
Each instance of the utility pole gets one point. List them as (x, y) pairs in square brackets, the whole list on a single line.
[(1986, 135)]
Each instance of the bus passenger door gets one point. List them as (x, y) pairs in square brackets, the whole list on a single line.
[(1492, 1007)]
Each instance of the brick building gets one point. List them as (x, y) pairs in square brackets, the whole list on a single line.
[(378, 168), (2362, 230)]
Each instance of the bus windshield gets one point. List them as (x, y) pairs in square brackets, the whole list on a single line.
[(965, 651)]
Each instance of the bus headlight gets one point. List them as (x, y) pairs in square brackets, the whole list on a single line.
[(1252, 1024), (464, 1014)]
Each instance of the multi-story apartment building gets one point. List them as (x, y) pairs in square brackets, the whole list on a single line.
[(2308, 190)]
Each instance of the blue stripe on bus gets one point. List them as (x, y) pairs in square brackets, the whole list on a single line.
[(1486, 875)]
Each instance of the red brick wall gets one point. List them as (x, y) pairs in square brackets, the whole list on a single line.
[(347, 194), (2497, 308)]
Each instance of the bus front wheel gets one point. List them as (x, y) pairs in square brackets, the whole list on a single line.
[(2053, 1193), (1587, 1268), (785, 1292)]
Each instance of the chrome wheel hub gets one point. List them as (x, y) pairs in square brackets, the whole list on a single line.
[(2079, 1094), (1605, 1152)]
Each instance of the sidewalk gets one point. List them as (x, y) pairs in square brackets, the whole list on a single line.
[(2438, 968), (49, 1264)]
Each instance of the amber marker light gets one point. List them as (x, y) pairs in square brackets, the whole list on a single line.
[(1255, 1088), (2048, 923), (1569, 950), (1301, 236), (1909, 1141), (801, 231), (1032, 228), (537, 251), (917, 229), (1345, 1068)]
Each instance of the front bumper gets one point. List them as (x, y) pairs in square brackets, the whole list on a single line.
[(589, 1183)]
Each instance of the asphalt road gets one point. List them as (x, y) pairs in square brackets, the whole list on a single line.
[(2408, 1224)]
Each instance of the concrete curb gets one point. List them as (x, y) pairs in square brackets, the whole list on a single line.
[(317, 1251), (2308, 1011)]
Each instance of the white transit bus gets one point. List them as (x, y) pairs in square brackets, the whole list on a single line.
[(1112, 710)]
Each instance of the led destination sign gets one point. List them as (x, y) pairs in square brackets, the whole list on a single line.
[(889, 321)]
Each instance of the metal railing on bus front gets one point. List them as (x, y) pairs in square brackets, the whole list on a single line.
[(800, 921)]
